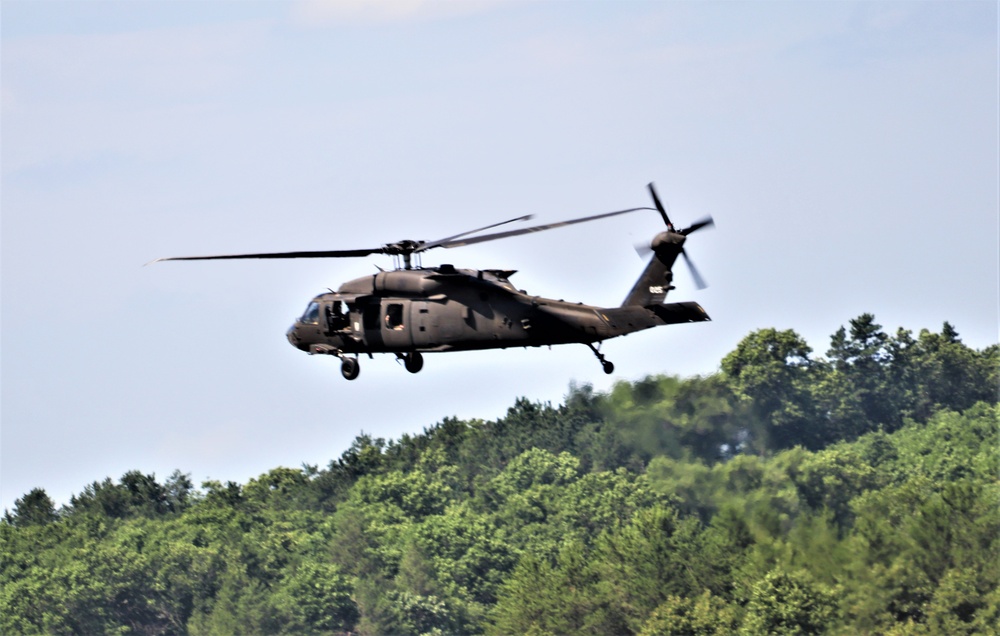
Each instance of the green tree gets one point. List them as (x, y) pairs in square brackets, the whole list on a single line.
[(545, 596), (788, 603), (315, 598), (280, 489), (34, 509), (772, 372), (704, 615), (949, 374), (638, 566), (135, 494), (242, 606)]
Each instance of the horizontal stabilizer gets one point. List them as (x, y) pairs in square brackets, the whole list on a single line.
[(629, 319), (673, 313)]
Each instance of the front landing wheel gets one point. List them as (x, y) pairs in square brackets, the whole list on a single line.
[(350, 368), (413, 362), (609, 368)]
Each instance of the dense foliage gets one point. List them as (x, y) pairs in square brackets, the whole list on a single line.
[(788, 494)]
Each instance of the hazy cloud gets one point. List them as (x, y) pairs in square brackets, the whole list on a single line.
[(336, 12)]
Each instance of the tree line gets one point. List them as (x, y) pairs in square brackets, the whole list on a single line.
[(788, 493)]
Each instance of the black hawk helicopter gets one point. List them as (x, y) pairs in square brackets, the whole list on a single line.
[(412, 310)]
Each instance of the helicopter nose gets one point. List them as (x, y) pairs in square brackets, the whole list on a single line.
[(295, 338)]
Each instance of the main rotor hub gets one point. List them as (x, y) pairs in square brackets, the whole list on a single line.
[(406, 249), (402, 247)]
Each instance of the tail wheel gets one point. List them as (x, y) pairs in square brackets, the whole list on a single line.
[(413, 362), (605, 363), (350, 368)]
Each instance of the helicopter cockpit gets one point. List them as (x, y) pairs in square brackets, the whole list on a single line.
[(311, 314), (335, 314), (322, 317)]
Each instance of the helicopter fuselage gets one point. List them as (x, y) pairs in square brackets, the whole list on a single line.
[(449, 309)]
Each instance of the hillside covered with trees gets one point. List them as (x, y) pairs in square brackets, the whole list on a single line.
[(789, 493)]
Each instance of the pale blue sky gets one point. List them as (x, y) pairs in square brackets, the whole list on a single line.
[(848, 152)]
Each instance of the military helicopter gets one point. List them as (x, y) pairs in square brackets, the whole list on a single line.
[(413, 309)]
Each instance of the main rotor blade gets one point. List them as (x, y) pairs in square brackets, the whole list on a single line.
[(439, 242), (529, 230), (698, 280), (660, 208), (322, 254), (697, 225)]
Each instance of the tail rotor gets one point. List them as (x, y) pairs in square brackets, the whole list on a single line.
[(699, 281)]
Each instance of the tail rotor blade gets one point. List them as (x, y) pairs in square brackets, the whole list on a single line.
[(643, 249), (659, 206), (698, 280)]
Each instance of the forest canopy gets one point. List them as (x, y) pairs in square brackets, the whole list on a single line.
[(788, 493)]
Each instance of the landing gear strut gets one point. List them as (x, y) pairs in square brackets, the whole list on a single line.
[(350, 368), (608, 367)]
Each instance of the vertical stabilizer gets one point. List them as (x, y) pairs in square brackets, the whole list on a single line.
[(656, 280)]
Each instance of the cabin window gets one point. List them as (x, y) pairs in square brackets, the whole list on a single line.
[(394, 316)]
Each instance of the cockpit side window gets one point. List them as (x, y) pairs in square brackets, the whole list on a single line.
[(336, 316), (311, 314)]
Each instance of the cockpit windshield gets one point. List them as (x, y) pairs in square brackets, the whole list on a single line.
[(311, 314)]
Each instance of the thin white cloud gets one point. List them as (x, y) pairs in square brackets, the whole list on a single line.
[(318, 13), (114, 89), (156, 61)]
